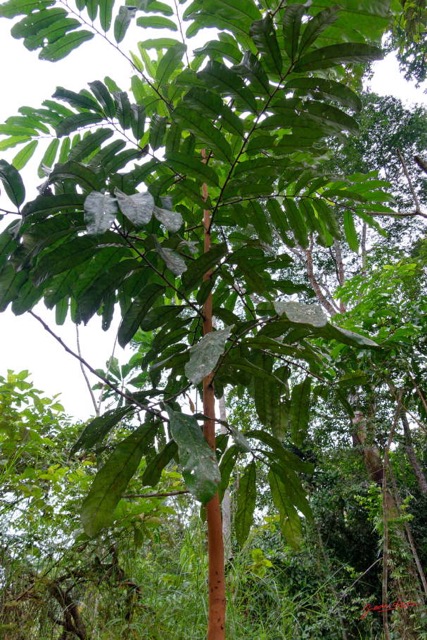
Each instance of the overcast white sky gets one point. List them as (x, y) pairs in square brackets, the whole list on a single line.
[(25, 80)]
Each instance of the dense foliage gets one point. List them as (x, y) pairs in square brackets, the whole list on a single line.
[(188, 205)]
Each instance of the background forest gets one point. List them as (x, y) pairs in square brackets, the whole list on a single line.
[(257, 221)]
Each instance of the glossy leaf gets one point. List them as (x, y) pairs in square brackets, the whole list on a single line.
[(113, 478), (337, 54), (317, 25), (122, 22), (12, 182), (291, 28), (199, 267), (198, 461), (194, 167), (98, 428), (350, 231), (62, 47), (264, 35), (137, 311), (155, 466), (25, 155), (169, 63)]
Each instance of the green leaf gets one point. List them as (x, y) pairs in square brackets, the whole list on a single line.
[(137, 311), (75, 122), (10, 285), (122, 22), (319, 88), (90, 143), (78, 173), (317, 25), (49, 157), (226, 466), (290, 523), (217, 77), (153, 471), (296, 222), (98, 428), (292, 27), (100, 212), (204, 130), (338, 54), (123, 109), (105, 13), (300, 410), (194, 167), (25, 155), (113, 478), (279, 454), (62, 47), (263, 34), (246, 497), (46, 205), (77, 100), (68, 255), (350, 231), (202, 265), (104, 98), (137, 208), (12, 183), (138, 120), (207, 102), (199, 466), (205, 354), (157, 131), (156, 22), (169, 63)]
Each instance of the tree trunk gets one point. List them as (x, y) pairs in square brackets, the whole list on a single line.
[(216, 579), (412, 457)]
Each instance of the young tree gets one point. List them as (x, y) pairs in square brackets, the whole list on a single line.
[(181, 202)]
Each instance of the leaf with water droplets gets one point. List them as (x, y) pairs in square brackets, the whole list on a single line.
[(100, 212), (137, 208), (198, 461), (205, 355)]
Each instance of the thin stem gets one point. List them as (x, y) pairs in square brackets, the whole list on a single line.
[(163, 494), (117, 48), (121, 393), (85, 376), (159, 273), (409, 181)]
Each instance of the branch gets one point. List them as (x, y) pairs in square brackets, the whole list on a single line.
[(330, 308), (121, 393), (165, 494), (421, 163), (85, 376), (408, 178)]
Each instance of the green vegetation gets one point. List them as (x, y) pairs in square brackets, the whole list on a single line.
[(234, 209)]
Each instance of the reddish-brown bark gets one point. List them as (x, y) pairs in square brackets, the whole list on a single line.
[(216, 624)]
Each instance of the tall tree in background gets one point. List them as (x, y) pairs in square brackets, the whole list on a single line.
[(186, 200)]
